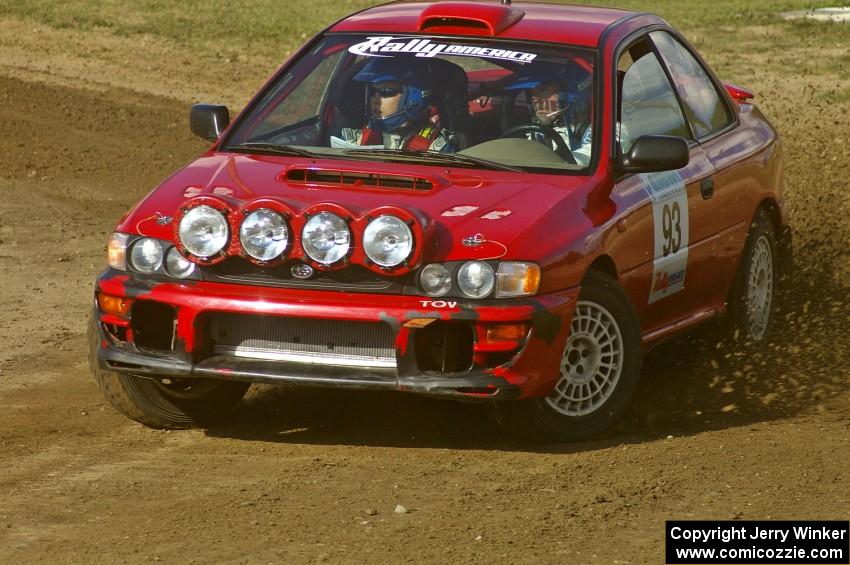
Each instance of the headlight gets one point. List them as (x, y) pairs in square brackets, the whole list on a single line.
[(116, 251), (146, 255), (326, 238), (476, 279), (517, 279), (178, 266), (388, 241), (264, 234), (203, 231), (436, 280)]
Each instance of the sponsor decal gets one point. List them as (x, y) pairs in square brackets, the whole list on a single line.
[(459, 211), (223, 191), (419, 322), (192, 191), (670, 226), (496, 214), (438, 303), (387, 46)]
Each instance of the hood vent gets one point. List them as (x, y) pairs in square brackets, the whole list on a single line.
[(355, 179)]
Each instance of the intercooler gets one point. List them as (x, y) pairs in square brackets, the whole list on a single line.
[(303, 340)]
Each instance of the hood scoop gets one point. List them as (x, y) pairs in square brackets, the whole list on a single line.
[(355, 179)]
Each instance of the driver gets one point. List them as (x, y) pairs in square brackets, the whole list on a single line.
[(559, 98), (399, 112)]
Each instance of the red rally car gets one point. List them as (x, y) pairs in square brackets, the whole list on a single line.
[(473, 200)]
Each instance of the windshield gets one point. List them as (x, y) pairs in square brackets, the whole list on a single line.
[(475, 102)]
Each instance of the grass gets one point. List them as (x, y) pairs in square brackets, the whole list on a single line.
[(272, 26), (735, 36)]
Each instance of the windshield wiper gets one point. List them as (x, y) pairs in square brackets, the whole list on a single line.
[(274, 148), (433, 157)]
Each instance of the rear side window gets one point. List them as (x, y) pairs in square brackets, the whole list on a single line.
[(703, 104), (648, 105)]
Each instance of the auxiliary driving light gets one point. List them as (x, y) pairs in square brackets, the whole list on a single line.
[(203, 231), (388, 241), (326, 238), (264, 234)]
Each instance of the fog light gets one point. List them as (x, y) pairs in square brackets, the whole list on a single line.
[(513, 332), (115, 305)]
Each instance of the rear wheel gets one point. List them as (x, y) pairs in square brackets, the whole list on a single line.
[(600, 366), (753, 296), (164, 402)]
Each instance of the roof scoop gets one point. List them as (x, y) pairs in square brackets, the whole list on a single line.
[(468, 18)]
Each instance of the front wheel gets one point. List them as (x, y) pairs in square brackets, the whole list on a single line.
[(600, 367), (164, 402)]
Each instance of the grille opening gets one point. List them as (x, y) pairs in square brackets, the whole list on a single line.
[(444, 347), (353, 277), (499, 358), (302, 340), (357, 179), (479, 391), (153, 325), (454, 22), (116, 332)]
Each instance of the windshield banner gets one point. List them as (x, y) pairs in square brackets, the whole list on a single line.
[(375, 46)]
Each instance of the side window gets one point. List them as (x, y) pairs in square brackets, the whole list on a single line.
[(648, 105), (304, 102), (703, 104)]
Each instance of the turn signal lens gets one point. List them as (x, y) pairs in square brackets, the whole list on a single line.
[(115, 305), (116, 251), (516, 278), (513, 332)]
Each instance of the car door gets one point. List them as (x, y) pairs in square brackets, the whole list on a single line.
[(670, 241), (710, 117)]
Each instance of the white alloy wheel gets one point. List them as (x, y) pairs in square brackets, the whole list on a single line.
[(760, 288), (591, 363)]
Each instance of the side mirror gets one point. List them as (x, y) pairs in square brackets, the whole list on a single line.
[(653, 153), (209, 120)]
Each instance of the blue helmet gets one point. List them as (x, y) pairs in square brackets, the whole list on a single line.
[(415, 79), (572, 81)]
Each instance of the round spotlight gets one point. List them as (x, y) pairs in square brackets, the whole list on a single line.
[(146, 255), (203, 231), (436, 280), (388, 241), (264, 235), (326, 238), (178, 266), (476, 279)]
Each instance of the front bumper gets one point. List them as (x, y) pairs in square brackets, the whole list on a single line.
[(521, 368)]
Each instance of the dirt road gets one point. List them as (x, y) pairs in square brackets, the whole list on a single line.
[(305, 476)]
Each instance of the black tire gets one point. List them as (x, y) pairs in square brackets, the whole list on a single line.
[(183, 403), (538, 419), (748, 318)]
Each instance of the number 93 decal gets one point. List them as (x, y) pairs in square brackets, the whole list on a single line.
[(670, 227)]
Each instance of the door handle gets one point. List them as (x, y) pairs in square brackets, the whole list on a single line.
[(706, 187)]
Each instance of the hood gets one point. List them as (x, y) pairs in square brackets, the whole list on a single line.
[(496, 207)]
